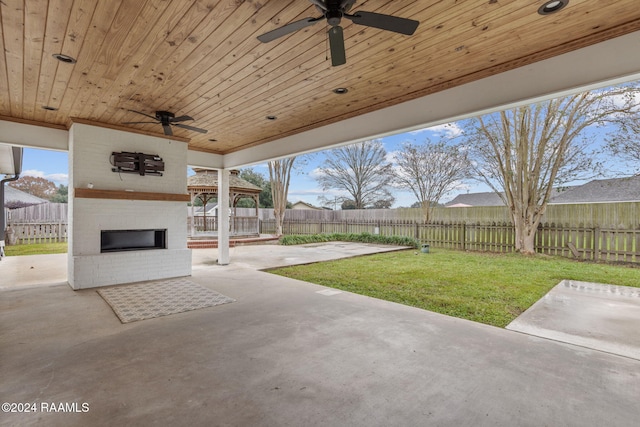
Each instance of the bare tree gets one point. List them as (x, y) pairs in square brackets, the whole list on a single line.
[(280, 175), (522, 153), (625, 144), (430, 171), (362, 171)]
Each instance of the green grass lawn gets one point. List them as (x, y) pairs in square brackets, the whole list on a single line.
[(487, 288), (36, 249)]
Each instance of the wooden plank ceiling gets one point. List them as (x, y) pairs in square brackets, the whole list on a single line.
[(201, 58)]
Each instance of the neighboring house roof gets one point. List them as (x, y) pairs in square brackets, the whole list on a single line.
[(14, 195), (211, 209), (477, 199), (596, 191), (304, 205), (602, 190)]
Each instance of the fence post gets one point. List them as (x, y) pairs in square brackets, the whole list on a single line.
[(596, 244), (463, 234)]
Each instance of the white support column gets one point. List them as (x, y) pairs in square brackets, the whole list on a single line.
[(192, 227), (223, 217)]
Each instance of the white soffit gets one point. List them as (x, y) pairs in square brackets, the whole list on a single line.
[(27, 135), (600, 65), (7, 165)]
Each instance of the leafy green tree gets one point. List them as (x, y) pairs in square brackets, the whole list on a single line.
[(256, 178), (62, 194), (348, 205), (36, 186)]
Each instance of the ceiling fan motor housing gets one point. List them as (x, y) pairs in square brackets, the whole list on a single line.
[(333, 17), (164, 115)]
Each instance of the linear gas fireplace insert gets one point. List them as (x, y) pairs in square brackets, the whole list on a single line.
[(132, 240)]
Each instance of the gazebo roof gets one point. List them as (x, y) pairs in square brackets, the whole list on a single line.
[(206, 181)]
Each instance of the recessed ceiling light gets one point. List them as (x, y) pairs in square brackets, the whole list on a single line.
[(340, 90), (271, 117), (552, 6), (48, 108), (64, 58)]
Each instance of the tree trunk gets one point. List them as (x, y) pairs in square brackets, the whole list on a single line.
[(279, 221), (279, 176), (526, 226)]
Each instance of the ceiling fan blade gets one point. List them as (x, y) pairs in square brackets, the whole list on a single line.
[(135, 123), (336, 45), (167, 129), (320, 4), (144, 114), (180, 119), (195, 129), (289, 28), (384, 22), (345, 5)]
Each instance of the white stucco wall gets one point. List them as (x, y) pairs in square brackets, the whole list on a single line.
[(90, 149)]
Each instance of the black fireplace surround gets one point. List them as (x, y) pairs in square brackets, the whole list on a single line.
[(132, 240)]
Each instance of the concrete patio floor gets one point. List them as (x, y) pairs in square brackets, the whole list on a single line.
[(284, 354), (592, 315)]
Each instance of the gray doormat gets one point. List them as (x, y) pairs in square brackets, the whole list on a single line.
[(147, 300)]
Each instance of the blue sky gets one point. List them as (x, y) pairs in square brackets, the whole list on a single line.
[(53, 165)]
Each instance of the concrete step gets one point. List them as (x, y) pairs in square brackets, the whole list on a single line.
[(213, 243)]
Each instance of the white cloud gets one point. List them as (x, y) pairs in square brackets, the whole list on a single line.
[(310, 192), (315, 173), (419, 131), (33, 172), (57, 178), (391, 156), (448, 130)]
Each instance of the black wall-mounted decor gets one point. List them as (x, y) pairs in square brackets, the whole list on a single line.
[(138, 163)]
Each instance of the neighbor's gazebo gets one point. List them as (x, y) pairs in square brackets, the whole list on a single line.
[(204, 186)]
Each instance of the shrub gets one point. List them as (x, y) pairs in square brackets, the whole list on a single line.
[(300, 239)]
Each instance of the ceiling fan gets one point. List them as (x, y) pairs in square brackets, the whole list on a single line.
[(167, 119), (333, 11)]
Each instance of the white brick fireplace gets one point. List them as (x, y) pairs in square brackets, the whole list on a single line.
[(101, 199)]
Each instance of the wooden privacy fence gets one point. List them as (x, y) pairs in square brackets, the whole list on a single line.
[(42, 213), (617, 215), (27, 233), (580, 242)]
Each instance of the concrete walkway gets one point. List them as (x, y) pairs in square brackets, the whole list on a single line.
[(288, 354), (38, 270), (32, 270)]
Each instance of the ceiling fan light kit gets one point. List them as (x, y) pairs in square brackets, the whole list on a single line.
[(333, 11)]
